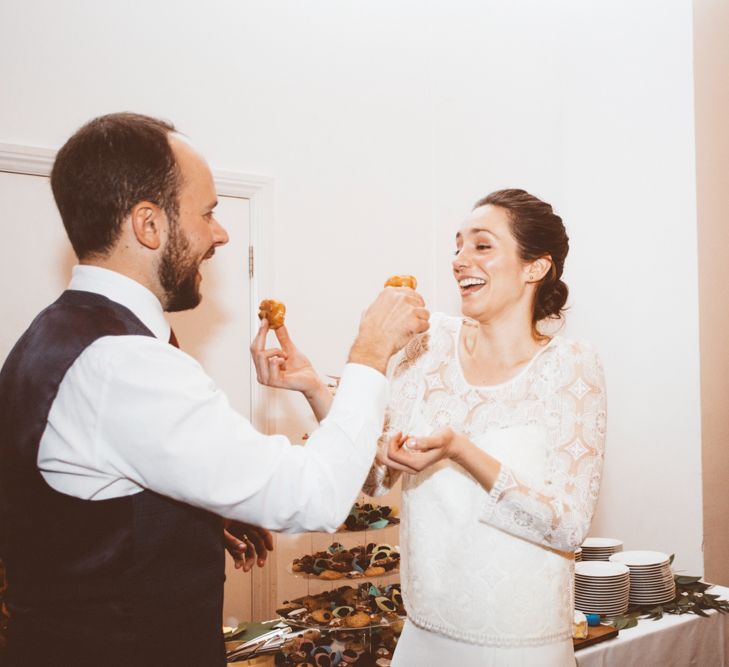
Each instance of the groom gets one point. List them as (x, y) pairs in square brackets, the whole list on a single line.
[(119, 455)]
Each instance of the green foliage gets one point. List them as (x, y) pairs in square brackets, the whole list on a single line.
[(691, 598)]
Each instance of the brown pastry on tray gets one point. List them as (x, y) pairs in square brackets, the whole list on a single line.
[(402, 281), (337, 562), (273, 311), (347, 607)]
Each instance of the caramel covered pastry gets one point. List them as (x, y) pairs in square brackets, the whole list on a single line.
[(358, 619), (273, 311), (402, 281), (347, 607), (369, 516), (348, 647), (359, 561)]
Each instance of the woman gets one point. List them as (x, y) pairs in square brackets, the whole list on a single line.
[(503, 451)]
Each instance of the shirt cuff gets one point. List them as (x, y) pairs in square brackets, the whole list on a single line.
[(361, 390)]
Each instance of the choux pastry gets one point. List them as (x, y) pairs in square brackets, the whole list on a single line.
[(402, 281), (273, 311)]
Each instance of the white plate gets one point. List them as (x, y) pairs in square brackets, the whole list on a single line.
[(650, 581), (604, 591), (603, 611), (605, 585), (598, 568), (601, 543), (599, 602), (639, 558)]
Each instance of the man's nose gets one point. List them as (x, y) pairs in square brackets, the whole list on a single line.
[(220, 236)]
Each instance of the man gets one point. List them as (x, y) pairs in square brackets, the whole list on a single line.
[(119, 455)]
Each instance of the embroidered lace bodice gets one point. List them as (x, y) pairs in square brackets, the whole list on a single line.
[(496, 567)]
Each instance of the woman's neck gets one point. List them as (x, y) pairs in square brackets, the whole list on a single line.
[(494, 352)]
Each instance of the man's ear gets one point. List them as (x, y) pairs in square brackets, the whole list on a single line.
[(537, 269), (148, 222)]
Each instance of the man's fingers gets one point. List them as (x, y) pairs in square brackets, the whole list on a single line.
[(267, 537), (257, 540), (410, 294), (421, 322), (250, 554)]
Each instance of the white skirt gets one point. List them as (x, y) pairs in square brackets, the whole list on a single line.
[(425, 649)]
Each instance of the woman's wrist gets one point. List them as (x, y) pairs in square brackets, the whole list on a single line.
[(458, 449), (316, 392), (320, 400), (484, 467)]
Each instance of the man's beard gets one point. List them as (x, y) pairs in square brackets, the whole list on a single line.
[(178, 272)]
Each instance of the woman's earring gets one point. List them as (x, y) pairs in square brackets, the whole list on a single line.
[(531, 277)]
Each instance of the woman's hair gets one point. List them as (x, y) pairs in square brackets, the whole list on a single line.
[(539, 232)]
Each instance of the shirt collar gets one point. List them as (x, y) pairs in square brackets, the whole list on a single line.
[(125, 291)]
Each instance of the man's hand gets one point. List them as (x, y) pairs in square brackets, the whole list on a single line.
[(246, 543), (387, 325)]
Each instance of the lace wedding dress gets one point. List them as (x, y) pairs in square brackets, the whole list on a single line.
[(487, 577)]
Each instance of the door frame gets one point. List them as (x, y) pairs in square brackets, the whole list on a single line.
[(258, 189)]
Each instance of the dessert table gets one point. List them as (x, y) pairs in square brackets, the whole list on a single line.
[(674, 641)]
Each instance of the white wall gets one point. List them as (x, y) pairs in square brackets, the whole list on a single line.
[(382, 122)]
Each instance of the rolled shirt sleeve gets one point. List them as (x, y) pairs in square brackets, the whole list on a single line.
[(134, 411)]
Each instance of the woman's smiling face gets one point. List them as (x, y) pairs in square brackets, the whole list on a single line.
[(491, 276)]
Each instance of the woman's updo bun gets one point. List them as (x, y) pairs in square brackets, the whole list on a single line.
[(539, 232)]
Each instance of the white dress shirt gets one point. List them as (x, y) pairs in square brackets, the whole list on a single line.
[(134, 413)]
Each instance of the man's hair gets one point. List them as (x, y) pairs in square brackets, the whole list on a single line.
[(107, 167)]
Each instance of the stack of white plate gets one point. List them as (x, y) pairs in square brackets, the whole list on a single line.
[(578, 554), (602, 588), (651, 578), (600, 548)]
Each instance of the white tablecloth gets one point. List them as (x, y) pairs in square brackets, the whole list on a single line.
[(674, 641)]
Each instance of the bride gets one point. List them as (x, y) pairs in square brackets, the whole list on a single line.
[(500, 432)]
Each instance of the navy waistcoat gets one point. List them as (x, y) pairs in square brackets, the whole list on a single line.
[(135, 581)]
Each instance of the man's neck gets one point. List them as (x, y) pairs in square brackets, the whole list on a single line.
[(113, 262)]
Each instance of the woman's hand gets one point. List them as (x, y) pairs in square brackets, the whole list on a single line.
[(246, 543), (288, 368), (285, 367), (411, 455)]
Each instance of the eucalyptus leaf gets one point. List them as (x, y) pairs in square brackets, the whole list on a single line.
[(691, 598)]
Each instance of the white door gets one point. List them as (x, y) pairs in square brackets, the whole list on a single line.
[(35, 266), (217, 334), (35, 255)]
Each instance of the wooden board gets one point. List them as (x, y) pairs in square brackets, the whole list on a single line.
[(595, 635), (261, 661)]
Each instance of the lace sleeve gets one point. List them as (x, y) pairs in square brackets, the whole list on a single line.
[(381, 478), (557, 511)]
